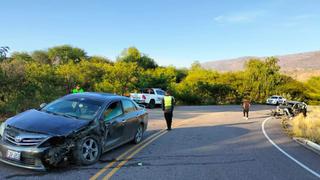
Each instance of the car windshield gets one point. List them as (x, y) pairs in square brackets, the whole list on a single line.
[(274, 97), (79, 108)]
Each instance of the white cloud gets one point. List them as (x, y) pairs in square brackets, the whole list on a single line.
[(242, 17)]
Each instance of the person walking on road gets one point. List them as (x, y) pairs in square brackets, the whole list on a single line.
[(77, 89), (246, 107), (167, 107)]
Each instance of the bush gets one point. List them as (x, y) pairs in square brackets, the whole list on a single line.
[(307, 127)]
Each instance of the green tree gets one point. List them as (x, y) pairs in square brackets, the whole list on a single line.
[(119, 78), (65, 53), (99, 59), (313, 90), (3, 52), (132, 54), (261, 78), (21, 56), (71, 74), (161, 77), (41, 57), (147, 63), (12, 90)]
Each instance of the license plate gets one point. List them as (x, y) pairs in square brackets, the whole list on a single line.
[(14, 155)]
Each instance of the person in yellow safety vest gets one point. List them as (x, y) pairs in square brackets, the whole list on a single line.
[(168, 103), (78, 89)]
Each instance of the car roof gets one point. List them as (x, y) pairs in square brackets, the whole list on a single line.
[(98, 96)]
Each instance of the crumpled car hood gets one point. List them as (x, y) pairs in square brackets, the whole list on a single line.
[(41, 122)]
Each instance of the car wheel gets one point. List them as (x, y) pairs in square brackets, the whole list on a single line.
[(139, 135), (152, 104), (87, 151)]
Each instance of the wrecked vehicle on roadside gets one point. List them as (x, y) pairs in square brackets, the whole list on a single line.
[(291, 109), (76, 128)]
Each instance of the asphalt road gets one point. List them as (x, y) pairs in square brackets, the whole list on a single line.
[(207, 142)]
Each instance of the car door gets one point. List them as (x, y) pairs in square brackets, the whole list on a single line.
[(114, 119), (131, 116)]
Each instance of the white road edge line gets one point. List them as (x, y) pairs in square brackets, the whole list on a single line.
[(285, 153)]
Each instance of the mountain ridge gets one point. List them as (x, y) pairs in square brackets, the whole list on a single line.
[(300, 66)]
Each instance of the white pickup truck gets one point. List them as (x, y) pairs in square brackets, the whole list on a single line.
[(275, 100), (149, 97)]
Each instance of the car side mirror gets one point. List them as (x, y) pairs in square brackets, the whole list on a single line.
[(43, 105)]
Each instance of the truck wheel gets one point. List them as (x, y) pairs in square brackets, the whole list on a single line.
[(152, 104), (87, 151)]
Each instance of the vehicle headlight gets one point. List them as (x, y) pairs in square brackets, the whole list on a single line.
[(2, 128)]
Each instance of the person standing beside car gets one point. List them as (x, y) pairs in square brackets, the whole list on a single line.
[(167, 107), (246, 107), (304, 109)]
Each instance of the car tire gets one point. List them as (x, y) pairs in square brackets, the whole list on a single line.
[(138, 136), (152, 104), (87, 151)]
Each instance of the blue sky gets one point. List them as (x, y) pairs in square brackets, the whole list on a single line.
[(173, 32)]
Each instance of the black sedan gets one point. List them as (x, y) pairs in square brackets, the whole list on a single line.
[(77, 127)]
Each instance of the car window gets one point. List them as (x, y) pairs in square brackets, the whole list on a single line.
[(145, 91), (148, 91), (114, 110), (280, 97), (128, 106), (137, 105), (159, 92)]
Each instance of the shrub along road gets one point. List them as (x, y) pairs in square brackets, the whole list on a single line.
[(207, 142)]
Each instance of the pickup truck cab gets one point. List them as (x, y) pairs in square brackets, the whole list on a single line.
[(149, 97)]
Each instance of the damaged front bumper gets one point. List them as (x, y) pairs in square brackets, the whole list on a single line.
[(29, 157)]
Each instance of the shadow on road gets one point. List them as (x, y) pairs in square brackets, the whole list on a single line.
[(189, 112)]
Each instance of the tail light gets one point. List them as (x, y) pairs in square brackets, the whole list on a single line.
[(144, 97)]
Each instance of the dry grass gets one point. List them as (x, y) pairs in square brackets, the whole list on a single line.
[(308, 127)]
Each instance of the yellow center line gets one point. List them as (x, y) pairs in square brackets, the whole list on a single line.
[(114, 170), (104, 169), (122, 156)]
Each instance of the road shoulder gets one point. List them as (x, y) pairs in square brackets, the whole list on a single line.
[(291, 149)]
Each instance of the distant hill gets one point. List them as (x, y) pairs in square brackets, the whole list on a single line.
[(300, 66)]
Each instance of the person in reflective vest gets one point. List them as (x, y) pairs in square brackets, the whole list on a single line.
[(167, 107), (78, 89)]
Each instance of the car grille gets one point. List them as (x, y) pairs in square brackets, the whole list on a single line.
[(21, 138)]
